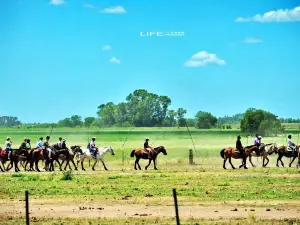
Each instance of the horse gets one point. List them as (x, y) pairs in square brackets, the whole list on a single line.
[(55, 154), (267, 149), (15, 157), (3, 154), (283, 151), (85, 153), (74, 150), (142, 154), (230, 152)]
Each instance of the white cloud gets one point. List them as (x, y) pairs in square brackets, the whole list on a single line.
[(280, 15), (106, 47), (56, 2), (115, 60), (115, 10), (252, 40), (89, 6), (204, 58)]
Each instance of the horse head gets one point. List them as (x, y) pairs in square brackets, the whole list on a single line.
[(161, 149), (111, 150)]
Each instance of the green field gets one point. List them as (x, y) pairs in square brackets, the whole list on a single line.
[(204, 184)]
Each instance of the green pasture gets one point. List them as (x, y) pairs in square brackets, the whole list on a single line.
[(203, 183), (177, 141)]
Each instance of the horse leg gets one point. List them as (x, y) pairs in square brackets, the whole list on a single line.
[(9, 166), (224, 163), (281, 160), (250, 160), (135, 163), (148, 164), (93, 167), (103, 164), (16, 166), (231, 163), (37, 165), (154, 162), (73, 164), (290, 165), (82, 165)]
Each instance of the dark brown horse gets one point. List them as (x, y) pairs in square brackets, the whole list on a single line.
[(142, 154), (74, 150), (14, 158), (230, 152), (283, 151)]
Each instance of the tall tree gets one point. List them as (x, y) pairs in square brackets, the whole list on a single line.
[(180, 117), (77, 120), (88, 121), (260, 121), (205, 120), (9, 121)]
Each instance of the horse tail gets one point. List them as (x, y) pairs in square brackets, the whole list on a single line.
[(132, 153), (222, 153)]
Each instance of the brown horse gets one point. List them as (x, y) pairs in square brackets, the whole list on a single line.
[(74, 150), (267, 149), (14, 158), (142, 154), (230, 152), (283, 151)]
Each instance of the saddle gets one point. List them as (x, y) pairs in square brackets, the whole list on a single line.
[(289, 149)]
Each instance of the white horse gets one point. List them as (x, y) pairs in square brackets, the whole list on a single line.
[(99, 157)]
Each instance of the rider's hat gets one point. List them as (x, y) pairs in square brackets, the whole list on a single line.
[(7, 138), (93, 138), (60, 138), (147, 138), (259, 137), (239, 137)]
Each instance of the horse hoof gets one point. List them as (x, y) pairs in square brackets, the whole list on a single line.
[(246, 168), (234, 168)]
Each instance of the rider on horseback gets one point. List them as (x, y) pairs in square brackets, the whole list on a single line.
[(59, 143), (23, 145), (46, 146), (291, 144), (28, 145), (147, 148), (8, 148), (92, 147), (257, 142), (239, 145)]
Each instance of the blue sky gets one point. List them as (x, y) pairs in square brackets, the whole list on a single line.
[(60, 58)]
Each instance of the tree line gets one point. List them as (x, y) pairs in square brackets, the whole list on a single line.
[(144, 109)]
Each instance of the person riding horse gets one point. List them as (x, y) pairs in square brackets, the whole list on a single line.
[(8, 147), (92, 147), (24, 143), (147, 148), (239, 145), (258, 144), (59, 143), (46, 146), (291, 144)]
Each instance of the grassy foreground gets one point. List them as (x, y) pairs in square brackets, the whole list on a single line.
[(204, 183)]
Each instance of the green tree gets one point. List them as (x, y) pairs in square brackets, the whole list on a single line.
[(77, 120), (9, 121), (170, 120), (180, 117), (88, 121), (106, 113), (67, 122), (260, 121), (205, 120)]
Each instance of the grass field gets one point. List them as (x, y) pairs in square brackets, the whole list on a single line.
[(207, 194)]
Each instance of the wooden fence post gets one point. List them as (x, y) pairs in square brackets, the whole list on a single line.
[(176, 206), (27, 207)]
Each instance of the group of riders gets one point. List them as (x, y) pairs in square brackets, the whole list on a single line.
[(45, 145), (61, 144), (257, 142)]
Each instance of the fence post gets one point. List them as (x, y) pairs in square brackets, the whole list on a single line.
[(27, 207), (123, 158), (176, 206), (191, 157)]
